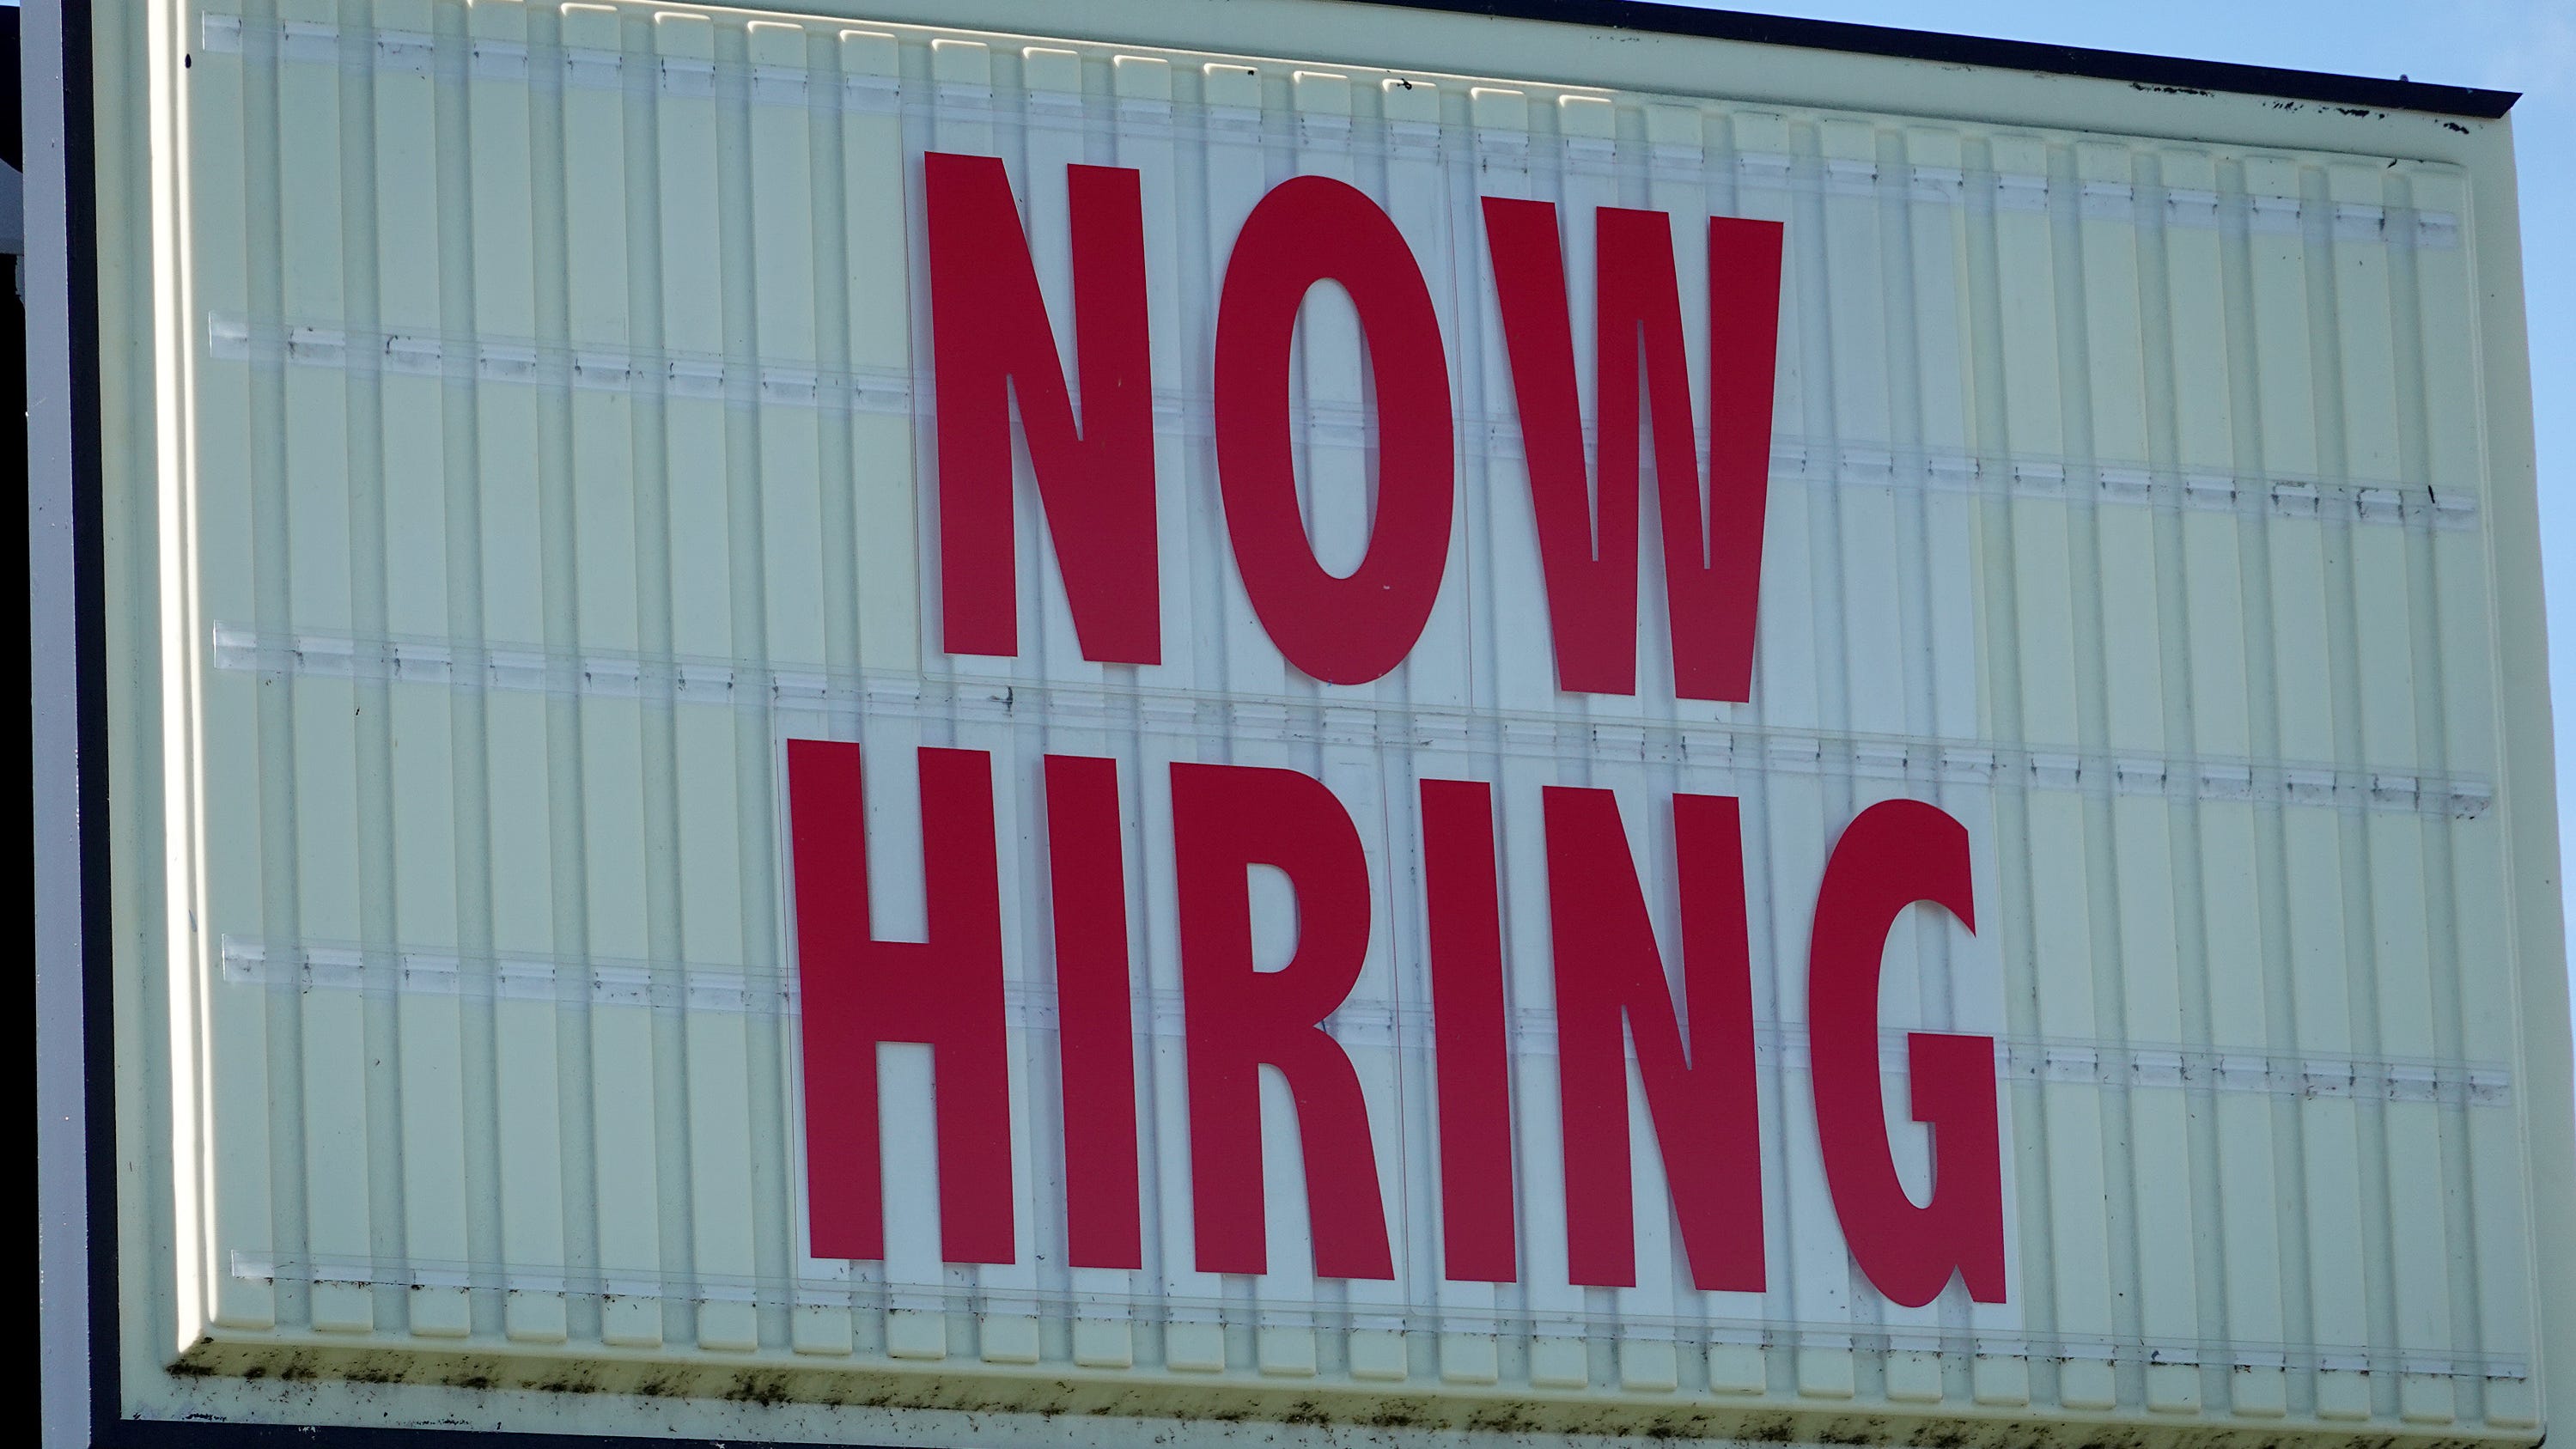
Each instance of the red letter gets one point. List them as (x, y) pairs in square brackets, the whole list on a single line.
[(1707, 1120), (1341, 630), (990, 341), (1096, 1033), (1712, 545), (859, 991), (1225, 820), (1471, 1054), (1899, 852)]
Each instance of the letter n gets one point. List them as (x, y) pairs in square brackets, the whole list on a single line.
[(1698, 1077), (991, 343)]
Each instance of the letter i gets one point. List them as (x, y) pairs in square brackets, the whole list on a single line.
[(1472, 1053), (1095, 1022)]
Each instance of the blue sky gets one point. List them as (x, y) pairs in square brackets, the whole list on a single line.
[(2519, 45)]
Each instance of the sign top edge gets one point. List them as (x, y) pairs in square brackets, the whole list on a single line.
[(2138, 68)]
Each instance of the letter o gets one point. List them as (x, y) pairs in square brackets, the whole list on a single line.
[(1350, 630)]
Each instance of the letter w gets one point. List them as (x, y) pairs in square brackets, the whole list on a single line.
[(990, 342), (1588, 542)]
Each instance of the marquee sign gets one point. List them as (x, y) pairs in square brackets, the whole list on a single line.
[(1306, 719)]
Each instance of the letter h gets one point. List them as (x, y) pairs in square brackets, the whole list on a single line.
[(858, 992)]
